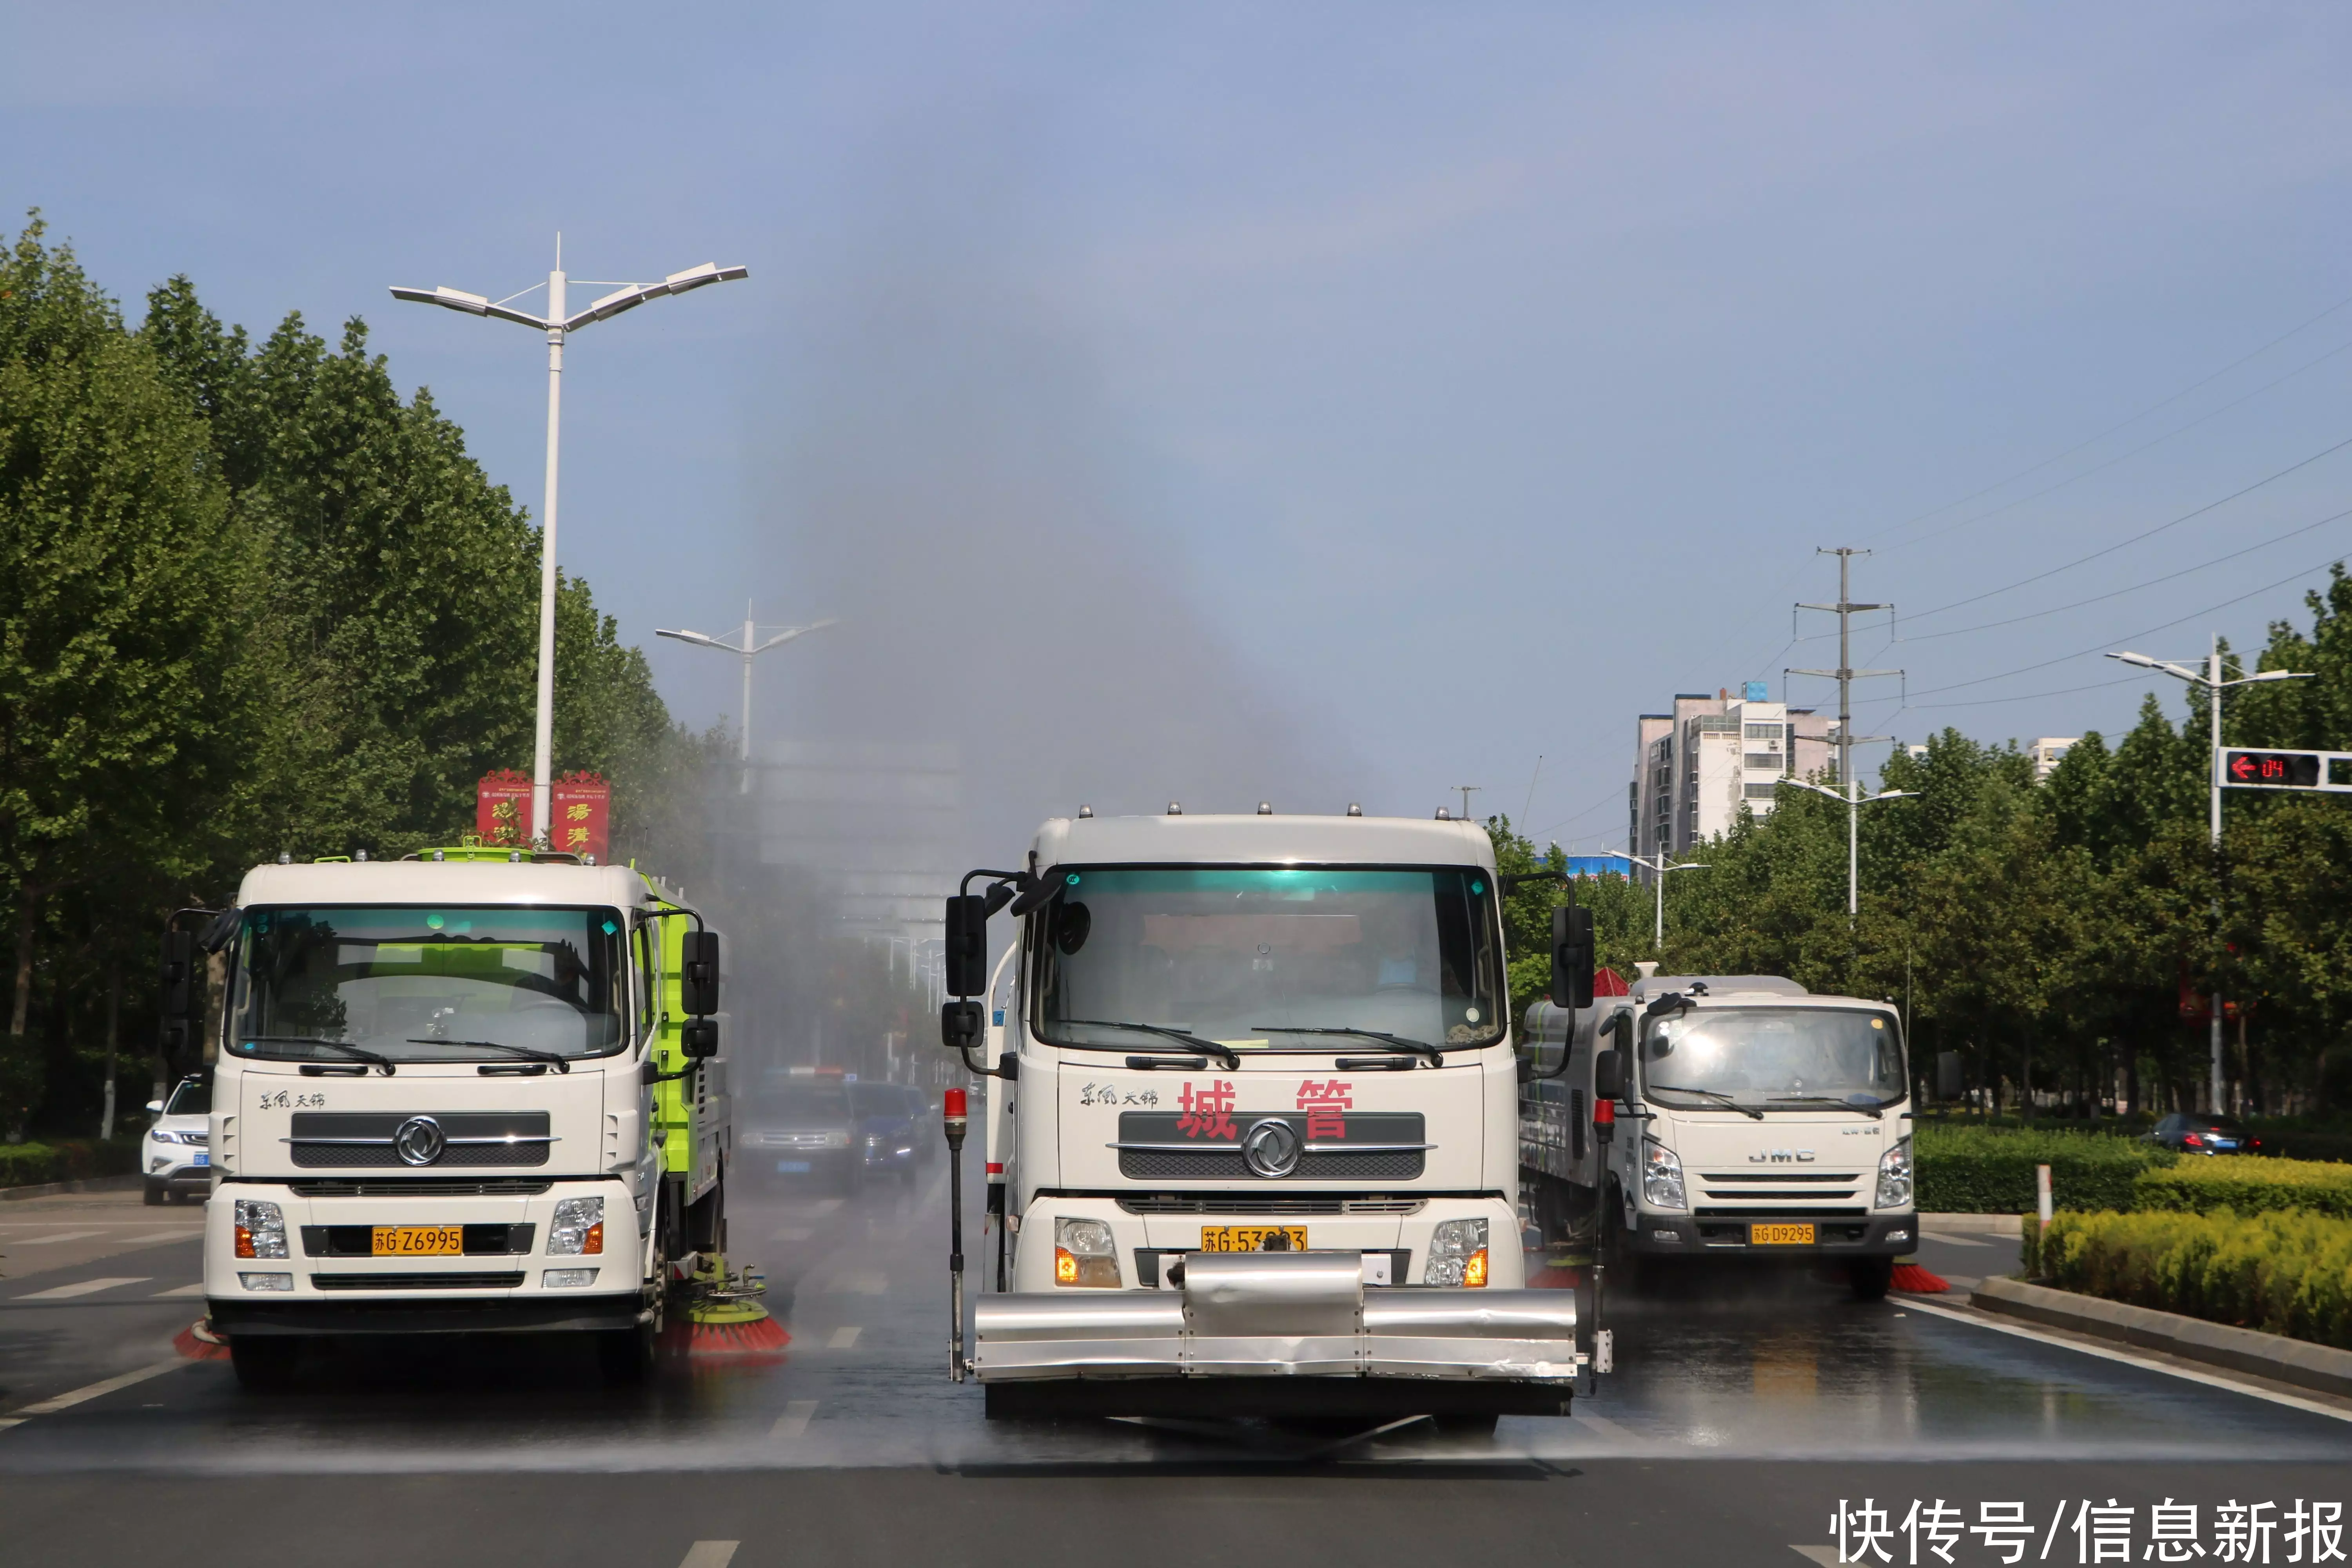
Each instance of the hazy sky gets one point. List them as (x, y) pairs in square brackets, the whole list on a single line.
[(1308, 403)]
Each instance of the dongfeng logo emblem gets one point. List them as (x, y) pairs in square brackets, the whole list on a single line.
[(418, 1142), (1271, 1148)]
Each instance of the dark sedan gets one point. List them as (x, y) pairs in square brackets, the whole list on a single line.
[(2204, 1135), (886, 1129), (806, 1133)]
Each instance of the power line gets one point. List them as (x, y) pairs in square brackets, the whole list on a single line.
[(2028, 696), (2151, 583), (2134, 419), (2101, 645), (2136, 538)]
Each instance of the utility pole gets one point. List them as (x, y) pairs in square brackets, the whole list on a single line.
[(1846, 675), (1467, 791), (749, 648)]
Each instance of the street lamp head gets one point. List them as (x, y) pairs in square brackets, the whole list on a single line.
[(2141, 660), (2275, 675), (637, 294), (688, 637), (455, 299)]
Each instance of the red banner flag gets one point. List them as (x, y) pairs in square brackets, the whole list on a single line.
[(581, 822), (502, 808)]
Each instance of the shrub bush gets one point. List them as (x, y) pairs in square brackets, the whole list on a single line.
[(2284, 1271), (1989, 1170), (66, 1160), (2246, 1184)]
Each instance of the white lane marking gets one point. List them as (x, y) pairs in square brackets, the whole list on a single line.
[(794, 1420), (1606, 1427), (842, 1338), (2210, 1379), (195, 1290), (61, 1236), (1827, 1556), (790, 1233), (67, 1401), (709, 1555), (83, 1288), (1947, 1238), (185, 1232), (825, 1205)]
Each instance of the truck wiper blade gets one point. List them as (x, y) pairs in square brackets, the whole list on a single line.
[(562, 1063), (1395, 1042), (1870, 1111), (381, 1063), (1711, 1094), (1225, 1054)]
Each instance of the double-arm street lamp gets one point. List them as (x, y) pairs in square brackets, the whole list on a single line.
[(1658, 866), (1853, 802), (749, 648), (557, 325), (2211, 680)]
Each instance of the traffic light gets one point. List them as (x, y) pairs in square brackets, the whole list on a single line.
[(2277, 770)]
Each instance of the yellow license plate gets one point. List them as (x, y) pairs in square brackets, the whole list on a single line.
[(1253, 1237), (419, 1240), (1781, 1234)]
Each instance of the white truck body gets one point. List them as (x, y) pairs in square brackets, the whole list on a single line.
[(339, 1189), (1758, 1121), (1286, 1230)]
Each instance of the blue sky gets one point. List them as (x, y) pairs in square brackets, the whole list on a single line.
[(1313, 403)]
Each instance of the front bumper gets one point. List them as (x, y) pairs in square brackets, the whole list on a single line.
[(1285, 1315), (1889, 1234)]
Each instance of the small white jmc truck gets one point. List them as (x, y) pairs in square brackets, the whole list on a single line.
[(471, 1090), (1255, 1127)]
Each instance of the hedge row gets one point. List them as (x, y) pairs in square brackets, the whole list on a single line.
[(67, 1160), (2245, 1184), (2285, 1272), (1989, 1170)]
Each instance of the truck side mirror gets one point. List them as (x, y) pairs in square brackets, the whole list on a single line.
[(697, 1039), (966, 944), (183, 995), (1572, 956), (959, 1025), (1947, 1076), (697, 987), (1609, 1075)]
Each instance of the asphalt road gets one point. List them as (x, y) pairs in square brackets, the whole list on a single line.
[(1745, 1407)]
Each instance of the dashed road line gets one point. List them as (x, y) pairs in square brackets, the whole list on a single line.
[(825, 1205), (61, 1236), (195, 1290), (81, 1288), (709, 1555), (794, 1420), (842, 1339), (67, 1401), (185, 1232), (1827, 1556)]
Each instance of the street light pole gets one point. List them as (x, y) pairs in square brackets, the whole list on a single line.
[(749, 648), (1846, 675), (2214, 686), (1657, 866), (1854, 804), (558, 324)]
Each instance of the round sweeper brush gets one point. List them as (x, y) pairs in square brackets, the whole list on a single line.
[(719, 1313), (200, 1342), (1915, 1280)]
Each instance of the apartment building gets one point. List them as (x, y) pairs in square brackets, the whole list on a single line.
[(1698, 764)]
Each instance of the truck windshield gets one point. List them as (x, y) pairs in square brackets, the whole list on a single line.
[(428, 985), (1773, 1059), (1236, 956)]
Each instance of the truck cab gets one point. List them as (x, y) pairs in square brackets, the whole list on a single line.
[(1252, 1126), (1725, 1116), (474, 1091)]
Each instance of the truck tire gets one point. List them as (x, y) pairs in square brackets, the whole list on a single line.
[(266, 1363), (1868, 1277), (153, 1196), (625, 1356)]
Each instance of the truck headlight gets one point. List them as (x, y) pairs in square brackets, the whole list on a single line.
[(579, 1228), (1661, 1176), (1895, 1177), (1084, 1254), (1457, 1254), (261, 1229)]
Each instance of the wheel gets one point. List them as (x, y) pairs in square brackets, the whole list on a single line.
[(625, 1356), (1868, 1277), (153, 1195), (266, 1362)]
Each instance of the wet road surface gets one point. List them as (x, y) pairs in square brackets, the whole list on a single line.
[(1746, 1404)]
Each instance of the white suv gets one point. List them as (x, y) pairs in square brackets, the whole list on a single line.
[(174, 1157)]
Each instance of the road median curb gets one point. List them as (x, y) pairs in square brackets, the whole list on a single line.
[(87, 1185), (2298, 1361)]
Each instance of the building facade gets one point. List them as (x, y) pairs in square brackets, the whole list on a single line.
[(1698, 764)]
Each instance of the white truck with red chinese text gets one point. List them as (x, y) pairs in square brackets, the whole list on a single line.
[(1254, 1128)]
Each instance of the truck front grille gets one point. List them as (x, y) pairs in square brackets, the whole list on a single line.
[(390, 1281), (423, 1187), (1226, 1165), (349, 1139), (1250, 1203)]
